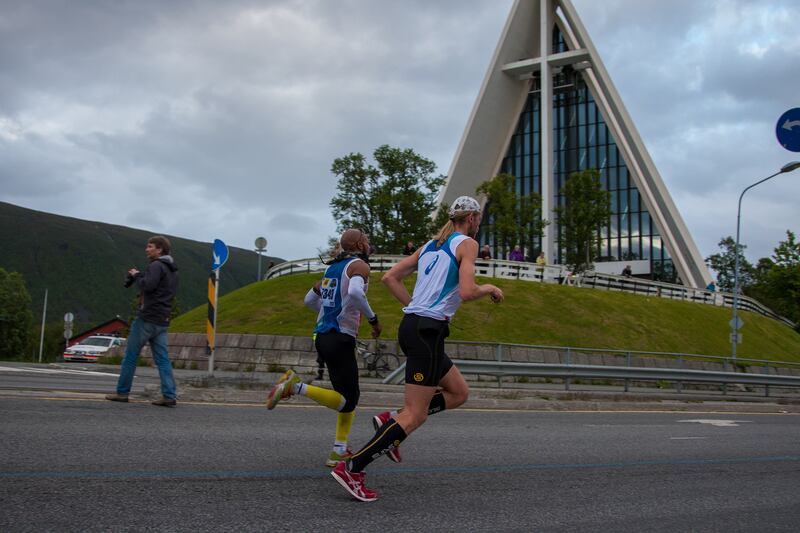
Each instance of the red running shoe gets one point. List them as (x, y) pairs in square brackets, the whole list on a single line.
[(379, 420), (353, 482)]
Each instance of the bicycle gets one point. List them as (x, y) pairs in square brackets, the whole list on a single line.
[(379, 363)]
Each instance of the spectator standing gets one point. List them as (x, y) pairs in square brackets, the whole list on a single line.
[(485, 253), (541, 262), (627, 272), (409, 248), (516, 254), (157, 287)]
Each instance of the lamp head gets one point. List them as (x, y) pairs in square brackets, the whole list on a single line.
[(788, 167)]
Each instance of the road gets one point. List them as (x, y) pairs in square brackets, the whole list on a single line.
[(72, 377), (83, 465)]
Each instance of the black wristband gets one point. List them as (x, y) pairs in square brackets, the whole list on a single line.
[(372, 321)]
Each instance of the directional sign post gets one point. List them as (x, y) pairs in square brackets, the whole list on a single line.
[(788, 130), (736, 324), (68, 318), (68, 328), (219, 256)]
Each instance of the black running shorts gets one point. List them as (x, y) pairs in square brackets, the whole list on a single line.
[(422, 342), (338, 351)]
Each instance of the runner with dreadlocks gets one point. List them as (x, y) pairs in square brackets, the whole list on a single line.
[(340, 298), (445, 269)]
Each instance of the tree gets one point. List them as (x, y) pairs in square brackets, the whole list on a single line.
[(587, 206), (777, 279), (515, 219), (393, 202), (724, 264), (787, 253), (16, 317), (53, 345), (440, 218)]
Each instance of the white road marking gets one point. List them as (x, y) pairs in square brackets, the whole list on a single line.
[(687, 438), (38, 370), (718, 423)]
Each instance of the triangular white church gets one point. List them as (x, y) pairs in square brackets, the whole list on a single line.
[(546, 55)]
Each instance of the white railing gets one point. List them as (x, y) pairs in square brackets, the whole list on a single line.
[(496, 268)]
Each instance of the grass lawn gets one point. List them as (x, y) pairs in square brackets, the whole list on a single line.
[(533, 313)]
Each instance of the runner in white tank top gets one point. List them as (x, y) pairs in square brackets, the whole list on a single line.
[(445, 276)]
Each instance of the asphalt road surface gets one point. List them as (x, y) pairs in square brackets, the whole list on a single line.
[(83, 465), (71, 377)]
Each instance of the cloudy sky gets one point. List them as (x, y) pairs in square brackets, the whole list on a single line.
[(209, 119)]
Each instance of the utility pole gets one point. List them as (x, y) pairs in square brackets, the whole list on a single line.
[(41, 336)]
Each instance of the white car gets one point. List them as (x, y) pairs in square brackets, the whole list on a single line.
[(90, 348)]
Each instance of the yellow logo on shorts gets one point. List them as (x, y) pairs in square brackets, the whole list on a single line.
[(396, 443), (418, 376)]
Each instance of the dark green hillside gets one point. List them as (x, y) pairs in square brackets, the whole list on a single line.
[(83, 264), (533, 313)]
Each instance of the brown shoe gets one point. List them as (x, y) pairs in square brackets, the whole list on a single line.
[(117, 397), (165, 402)]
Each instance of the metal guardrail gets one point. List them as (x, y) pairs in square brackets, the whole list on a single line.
[(568, 371), (501, 369), (500, 349), (524, 271), (675, 292)]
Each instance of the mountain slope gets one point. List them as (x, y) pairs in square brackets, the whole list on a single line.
[(83, 264)]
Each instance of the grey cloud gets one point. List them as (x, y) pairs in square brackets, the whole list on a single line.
[(293, 223), (34, 167), (144, 219), (235, 111)]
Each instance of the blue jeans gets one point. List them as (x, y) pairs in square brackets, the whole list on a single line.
[(141, 333)]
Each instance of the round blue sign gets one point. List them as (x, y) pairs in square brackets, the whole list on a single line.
[(788, 130), (219, 255)]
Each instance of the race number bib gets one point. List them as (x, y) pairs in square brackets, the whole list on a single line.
[(328, 292)]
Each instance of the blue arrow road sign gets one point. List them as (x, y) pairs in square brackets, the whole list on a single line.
[(220, 254), (788, 130)]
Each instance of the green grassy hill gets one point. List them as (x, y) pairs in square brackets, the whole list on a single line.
[(533, 313), (83, 264)]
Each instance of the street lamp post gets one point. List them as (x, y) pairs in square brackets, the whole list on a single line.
[(788, 167), (261, 246)]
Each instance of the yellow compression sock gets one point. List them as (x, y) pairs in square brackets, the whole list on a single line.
[(327, 397), (343, 424)]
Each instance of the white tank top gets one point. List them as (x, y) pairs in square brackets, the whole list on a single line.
[(436, 291)]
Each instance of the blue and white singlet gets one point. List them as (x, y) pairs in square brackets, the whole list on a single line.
[(436, 291), (337, 313)]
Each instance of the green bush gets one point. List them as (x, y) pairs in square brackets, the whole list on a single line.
[(16, 317)]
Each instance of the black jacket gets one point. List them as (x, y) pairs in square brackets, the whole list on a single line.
[(158, 286)]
